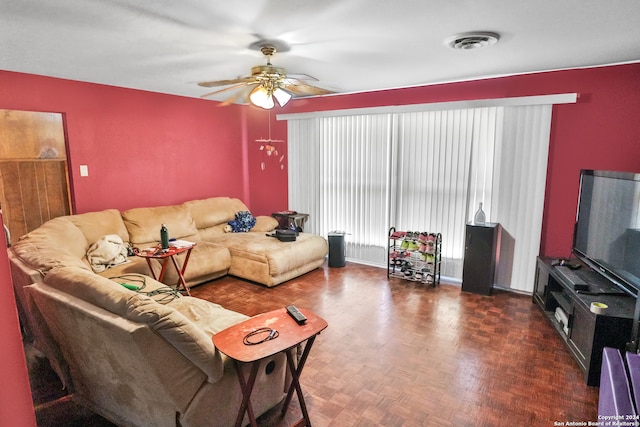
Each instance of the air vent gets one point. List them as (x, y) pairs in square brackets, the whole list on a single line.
[(470, 41)]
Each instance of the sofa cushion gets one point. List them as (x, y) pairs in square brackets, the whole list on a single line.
[(206, 260), (90, 287), (214, 210), (265, 224), (59, 233), (211, 318), (143, 224), (56, 243), (148, 286), (44, 260), (107, 293), (134, 265), (180, 332), (94, 225), (280, 257)]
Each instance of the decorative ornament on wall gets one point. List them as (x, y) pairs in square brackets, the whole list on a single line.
[(272, 151)]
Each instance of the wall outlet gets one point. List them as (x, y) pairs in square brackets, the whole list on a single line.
[(84, 170)]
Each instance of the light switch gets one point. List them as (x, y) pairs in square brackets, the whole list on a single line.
[(84, 170)]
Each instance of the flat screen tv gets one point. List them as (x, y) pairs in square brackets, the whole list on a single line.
[(607, 231)]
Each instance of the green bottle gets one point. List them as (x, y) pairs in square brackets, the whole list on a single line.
[(164, 237)]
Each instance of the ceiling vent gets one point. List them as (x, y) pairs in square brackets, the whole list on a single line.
[(469, 41)]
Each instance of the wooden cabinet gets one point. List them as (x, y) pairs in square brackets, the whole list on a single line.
[(584, 333), (33, 192), (34, 184), (480, 253)]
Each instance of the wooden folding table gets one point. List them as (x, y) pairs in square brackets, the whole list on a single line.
[(289, 335)]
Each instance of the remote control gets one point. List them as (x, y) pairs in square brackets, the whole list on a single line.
[(295, 313)]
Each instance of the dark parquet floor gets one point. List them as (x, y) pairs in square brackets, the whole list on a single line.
[(397, 353)]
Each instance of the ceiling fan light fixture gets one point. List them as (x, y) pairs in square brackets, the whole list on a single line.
[(261, 97), (266, 82), (282, 96), (472, 41)]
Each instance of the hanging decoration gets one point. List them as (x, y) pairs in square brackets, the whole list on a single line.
[(271, 149)]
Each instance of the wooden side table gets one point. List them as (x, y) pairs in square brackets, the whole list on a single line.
[(163, 257), (290, 335)]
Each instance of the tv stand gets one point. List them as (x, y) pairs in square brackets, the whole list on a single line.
[(567, 305)]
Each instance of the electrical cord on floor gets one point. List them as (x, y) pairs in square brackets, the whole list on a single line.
[(137, 282)]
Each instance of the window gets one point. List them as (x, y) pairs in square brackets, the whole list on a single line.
[(425, 171)]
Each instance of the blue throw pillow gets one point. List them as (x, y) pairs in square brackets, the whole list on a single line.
[(243, 223)]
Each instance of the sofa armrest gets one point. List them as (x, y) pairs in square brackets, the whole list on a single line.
[(615, 394)]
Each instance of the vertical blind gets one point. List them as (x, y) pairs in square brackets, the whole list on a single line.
[(425, 171), (518, 192), (339, 173), (444, 162)]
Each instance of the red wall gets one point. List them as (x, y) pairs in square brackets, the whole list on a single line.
[(267, 173), (142, 148), (600, 131), (16, 407)]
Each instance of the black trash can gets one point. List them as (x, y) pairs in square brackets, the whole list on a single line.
[(337, 249)]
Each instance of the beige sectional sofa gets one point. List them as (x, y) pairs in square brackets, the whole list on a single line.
[(146, 358), (64, 241)]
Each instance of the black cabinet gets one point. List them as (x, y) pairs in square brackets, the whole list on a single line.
[(480, 253), (584, 333)]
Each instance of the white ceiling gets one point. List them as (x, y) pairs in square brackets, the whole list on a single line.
[(353, 45)]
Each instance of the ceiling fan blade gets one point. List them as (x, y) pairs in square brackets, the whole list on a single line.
[(301, 77), (302, 89), (242, 93), (215, 92), (229, 101), (225, 82)]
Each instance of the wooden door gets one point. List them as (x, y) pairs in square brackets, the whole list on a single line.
[(34, 184)]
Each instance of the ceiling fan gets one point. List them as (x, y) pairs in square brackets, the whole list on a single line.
[(266, 83)]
